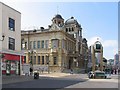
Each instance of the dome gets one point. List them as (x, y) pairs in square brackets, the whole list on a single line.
[(71, 21), (58, 16)]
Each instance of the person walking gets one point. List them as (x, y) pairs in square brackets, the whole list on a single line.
[(31, 71)]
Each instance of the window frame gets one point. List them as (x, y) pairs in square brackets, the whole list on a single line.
[(11, 44), (11, 23)]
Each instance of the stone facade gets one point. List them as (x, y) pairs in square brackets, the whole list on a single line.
[(55, 49)]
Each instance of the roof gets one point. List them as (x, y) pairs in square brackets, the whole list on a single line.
[(10, 7), (71, 21), (58, 16)]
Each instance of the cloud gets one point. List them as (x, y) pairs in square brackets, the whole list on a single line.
[(105, 43), (92, 40), (110, 43)]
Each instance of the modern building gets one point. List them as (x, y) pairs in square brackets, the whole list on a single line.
[(10, 46), (56, 49)]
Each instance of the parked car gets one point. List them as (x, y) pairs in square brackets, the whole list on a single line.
[(99, 75), (91, 74), (108, 76)]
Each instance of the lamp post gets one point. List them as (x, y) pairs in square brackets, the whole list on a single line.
[(86, 65), (32, 58), (2, 38)]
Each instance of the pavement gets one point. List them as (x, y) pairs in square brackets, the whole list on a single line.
[(98, 83), (55, 74), (22, 78)]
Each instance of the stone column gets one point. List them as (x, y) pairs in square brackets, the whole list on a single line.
[(60, 54)]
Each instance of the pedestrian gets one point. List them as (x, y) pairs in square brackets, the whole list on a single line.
[(118, 71), (112, 71), (31, 71), (115, 71)]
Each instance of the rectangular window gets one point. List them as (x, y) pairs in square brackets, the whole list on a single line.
[(42, 44), (42, 59), (55, 60), (11, 24), (47, 59), (55, 43), (38, 44), (30, 44), (34, 59), (34, 44), (11, 43), (46, 44), (38, 59)]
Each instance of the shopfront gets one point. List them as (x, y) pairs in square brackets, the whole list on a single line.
[(11, 64)]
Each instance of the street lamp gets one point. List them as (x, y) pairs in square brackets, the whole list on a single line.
[(85, 64), (2, 38), (32, 58)]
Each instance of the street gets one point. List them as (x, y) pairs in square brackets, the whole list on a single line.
[(70, 81)]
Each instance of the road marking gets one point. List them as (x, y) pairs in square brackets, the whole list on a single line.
[(104, 80)]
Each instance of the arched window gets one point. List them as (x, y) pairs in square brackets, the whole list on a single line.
[(66, 29), (69, 30), (72, 29), (55, 21)]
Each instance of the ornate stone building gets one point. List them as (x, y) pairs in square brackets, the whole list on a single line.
[(57, 48)]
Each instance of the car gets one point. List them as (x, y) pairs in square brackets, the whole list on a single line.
[(91, 74), (108, 76), (99, 75)]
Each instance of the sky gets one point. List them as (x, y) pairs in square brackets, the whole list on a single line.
[(98, 19)]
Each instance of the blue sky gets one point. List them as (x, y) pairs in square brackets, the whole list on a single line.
[(98, 19)]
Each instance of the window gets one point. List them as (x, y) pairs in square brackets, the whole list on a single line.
[(34, 59), (30, 44), (72, 29), (38, 44), (11, 24), (42, 59), (34, 44), (42, 44), (55, 21), (55, 43), (55, 60), (11, 43), (69, 30), (47, 59), (46, 44), (98, 46), (66, 29), (38, 59)]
